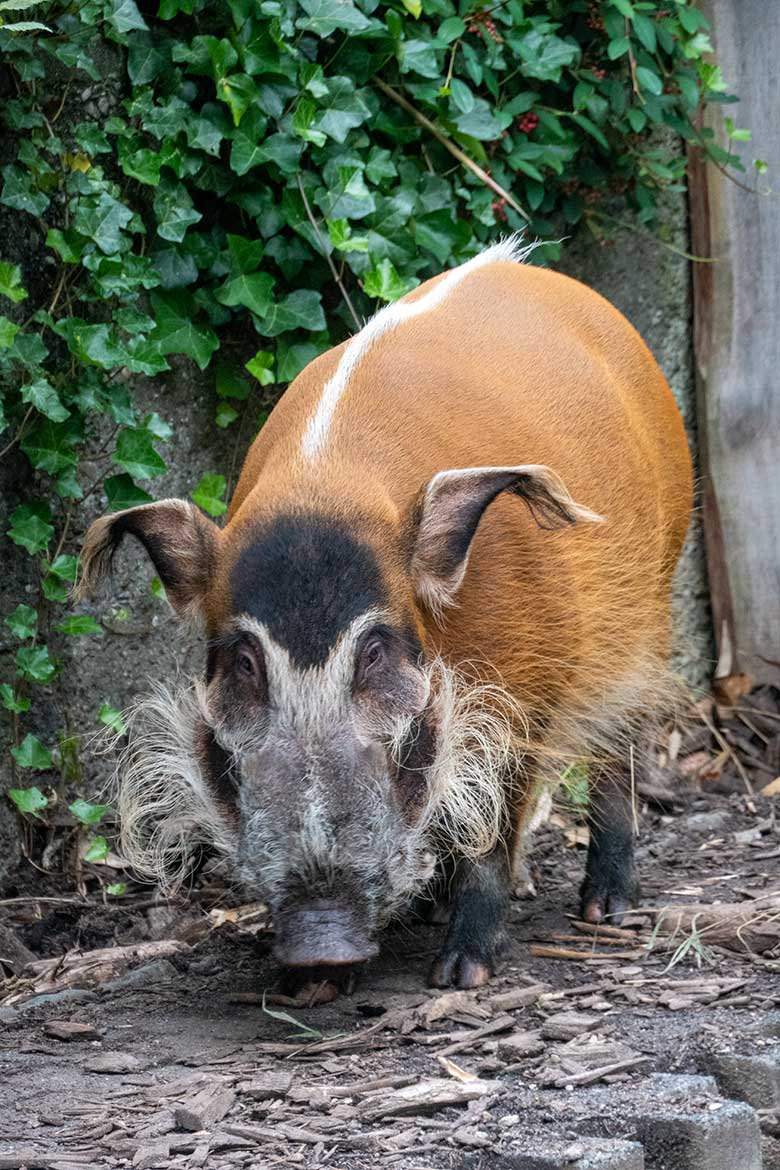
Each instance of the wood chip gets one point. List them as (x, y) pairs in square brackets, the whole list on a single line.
[(148, 1157), (70, 1030), (208, 1107), (517, 997), (567, 1025), (428, 1096), (500, 1024), (520, 1045), (449, 1004), (267, 1086)]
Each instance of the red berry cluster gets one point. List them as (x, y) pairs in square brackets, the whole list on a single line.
[(527, 123), (481, 22), (499, 209), (595, 20)]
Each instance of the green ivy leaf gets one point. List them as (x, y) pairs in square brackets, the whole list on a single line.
[(8, 331), (42, 395), (11, 282), (261, 366), (147, 56), (135, 454), (87, 813), (208, 494), (178, 332), (158, 427), (302, 309), (23, 622), (124, 16), (252, 291), (30, 800), (102, 219), (384, 283), (97, 851), (230, 384), (11, 701), (238, 92), (76, 625), (323, 17), (49, 445), (112, 718), (225, 414), (64, 568), (247, 149), (175, 211), (31, 527), (20, 193), (122, 493), (36, 664)]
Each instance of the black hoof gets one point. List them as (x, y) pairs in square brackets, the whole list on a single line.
[(455, 969)]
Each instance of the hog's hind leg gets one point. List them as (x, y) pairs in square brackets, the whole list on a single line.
[(476, 930), (610, 884)]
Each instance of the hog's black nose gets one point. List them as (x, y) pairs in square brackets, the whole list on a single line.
[(321, 933)]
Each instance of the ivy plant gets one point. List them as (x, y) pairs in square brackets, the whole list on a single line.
[(254, 180)]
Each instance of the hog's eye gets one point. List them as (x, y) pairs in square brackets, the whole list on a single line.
[(372, 655), (248, 664)]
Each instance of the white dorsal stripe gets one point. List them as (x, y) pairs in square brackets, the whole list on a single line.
[(387, 319)]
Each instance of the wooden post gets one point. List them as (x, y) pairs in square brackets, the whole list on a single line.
[(737, 345)]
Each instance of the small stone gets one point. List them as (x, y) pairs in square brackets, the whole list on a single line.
[(154, 972), (112, 1062), (70, 1030), (520, 1045)]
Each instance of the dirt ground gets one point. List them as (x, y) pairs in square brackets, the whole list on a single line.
[(164, 1054)]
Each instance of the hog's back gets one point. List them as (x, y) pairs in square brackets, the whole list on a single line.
[(516, 365)]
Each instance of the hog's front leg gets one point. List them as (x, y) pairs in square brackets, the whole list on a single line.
[(476, 931), (610, 884)]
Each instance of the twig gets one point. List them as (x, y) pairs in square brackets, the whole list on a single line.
[(632, 65), (726, 747), (500, 1024), (595, 1074), (329, 258), (18, 434), (594, 213), (454, 150), (604, 930), (545, 952)]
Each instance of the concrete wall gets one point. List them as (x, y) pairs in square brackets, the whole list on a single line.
[(648, 282)]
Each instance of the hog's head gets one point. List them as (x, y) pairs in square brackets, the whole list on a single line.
[(329, 741)]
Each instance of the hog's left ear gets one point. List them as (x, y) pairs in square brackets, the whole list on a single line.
[(451, 506), (180, 541)]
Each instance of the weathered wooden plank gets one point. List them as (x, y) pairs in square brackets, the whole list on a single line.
[(737, 344)]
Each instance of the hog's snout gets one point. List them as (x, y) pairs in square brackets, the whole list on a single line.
[(321, 933)]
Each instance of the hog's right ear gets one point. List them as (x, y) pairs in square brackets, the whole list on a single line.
[(180, 540)]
